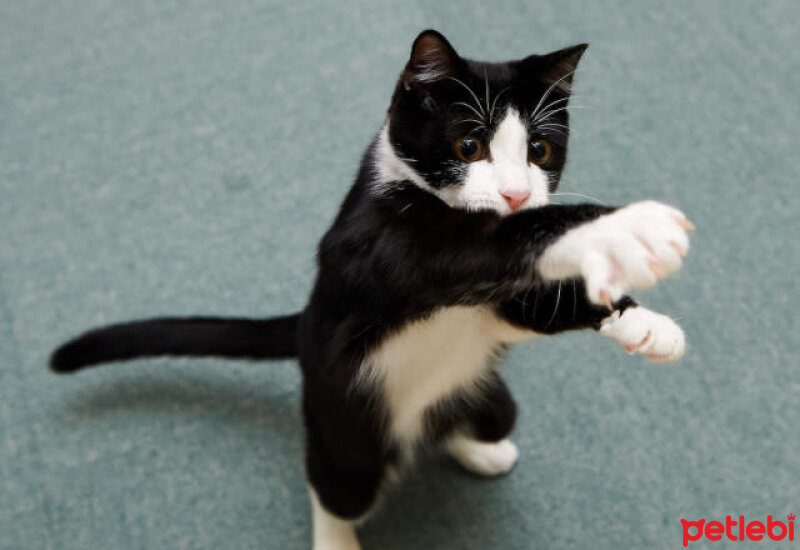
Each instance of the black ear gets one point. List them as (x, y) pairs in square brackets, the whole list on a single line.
[(432, 59), (558, 68)]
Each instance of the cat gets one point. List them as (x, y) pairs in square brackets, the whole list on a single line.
[(445, 251)]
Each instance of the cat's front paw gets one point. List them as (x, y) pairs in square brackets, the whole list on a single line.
[(628, 249), (639, 330)]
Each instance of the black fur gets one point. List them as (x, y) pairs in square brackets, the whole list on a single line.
[(196, 336), (389, 261), (555, 307), (489, 418), (396, 256)]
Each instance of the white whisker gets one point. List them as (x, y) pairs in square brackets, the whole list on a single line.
[(550, 89), (553, 125), (471, 108), (552, 103), (558, 302), (536, 303), (475, 97), (595, 199), (525, 304), (494, 103), (547, 114), (469, 120), (549, 130), (574, 300), (486, 82)]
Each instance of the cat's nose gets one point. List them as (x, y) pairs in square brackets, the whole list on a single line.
[(515, 197)]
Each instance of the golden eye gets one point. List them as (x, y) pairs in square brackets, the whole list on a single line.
[(468, 149), (539, 151)]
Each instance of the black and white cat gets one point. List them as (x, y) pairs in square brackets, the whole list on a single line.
[(445, 251)]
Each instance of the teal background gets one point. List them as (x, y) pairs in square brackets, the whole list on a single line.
[(185, 157)]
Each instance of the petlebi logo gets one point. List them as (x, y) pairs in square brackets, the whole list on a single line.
[(738, 529)]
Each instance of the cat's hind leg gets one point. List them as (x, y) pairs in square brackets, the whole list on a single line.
[(346, 461), (480, 441), (331, 532), (486, 458), (343, 491)]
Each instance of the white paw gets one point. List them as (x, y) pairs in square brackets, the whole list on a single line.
[(338, 544), (627, 249), (331, 532), (486, 459), (640, 330)]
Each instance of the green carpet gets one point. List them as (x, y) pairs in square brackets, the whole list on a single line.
[(185, 157)]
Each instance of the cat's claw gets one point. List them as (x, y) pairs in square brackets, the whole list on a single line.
[(629, 249), (639, 330)]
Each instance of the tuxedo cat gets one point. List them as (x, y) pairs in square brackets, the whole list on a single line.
[(445, 251)]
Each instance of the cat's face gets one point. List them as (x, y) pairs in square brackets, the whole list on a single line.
[(480, 136)]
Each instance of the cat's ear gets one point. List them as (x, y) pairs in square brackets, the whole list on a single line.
[(432, 59), (558, 68)]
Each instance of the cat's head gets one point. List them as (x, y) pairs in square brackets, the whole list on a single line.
[(480, 136)]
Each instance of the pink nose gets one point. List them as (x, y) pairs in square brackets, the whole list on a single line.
[(515, 197)]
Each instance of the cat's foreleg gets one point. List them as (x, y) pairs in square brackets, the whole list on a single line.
[(640, 330), (557, 306), (564, 305), (629, 248)]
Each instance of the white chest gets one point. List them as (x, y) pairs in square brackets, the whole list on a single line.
[(428, 360)]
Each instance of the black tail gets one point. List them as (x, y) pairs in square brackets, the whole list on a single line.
[(193, 336)]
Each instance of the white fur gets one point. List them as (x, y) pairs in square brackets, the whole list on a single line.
[(331, 532), (429, 72), (391, 168), (486, 459), (507, 171), (421, 364), (624, 250), (652, 334), (430, 359)]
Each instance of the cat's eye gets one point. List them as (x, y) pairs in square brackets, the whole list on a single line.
[(468, 149), (539, 151)]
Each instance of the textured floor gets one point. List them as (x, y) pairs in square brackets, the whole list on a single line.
[(185, 157)]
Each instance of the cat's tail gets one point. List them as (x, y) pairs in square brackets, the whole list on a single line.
[(274, 338)]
